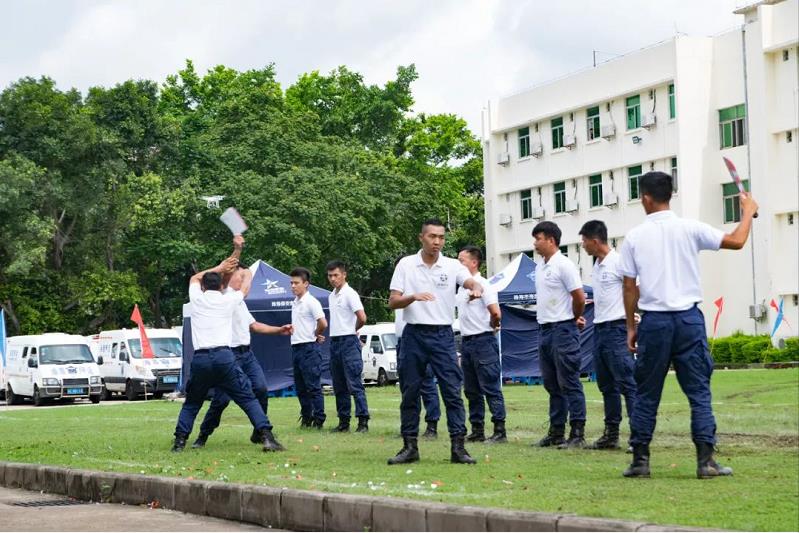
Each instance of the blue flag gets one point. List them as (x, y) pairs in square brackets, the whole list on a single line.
[(778, 320)]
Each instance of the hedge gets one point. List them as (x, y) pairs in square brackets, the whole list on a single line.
[(746, 349)]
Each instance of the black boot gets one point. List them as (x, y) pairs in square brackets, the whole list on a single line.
[(576, 436), (269, 441), (200, 441), (180, 442), (342, 427), (554, 437), (609, 439), (408, 454), (706, 466), (317, 423), (363, 424), (499, 435), (459, 454), (306, 421), (431, 433), (255, 437), (640, 465), (478, 432)]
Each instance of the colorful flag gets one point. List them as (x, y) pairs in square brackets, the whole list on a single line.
[(146, 349), (720, 304), (780, 315)]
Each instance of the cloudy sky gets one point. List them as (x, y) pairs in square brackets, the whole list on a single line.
[(466, 51)]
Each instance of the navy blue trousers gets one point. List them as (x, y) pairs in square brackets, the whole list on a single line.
[(434, 346), (346, 368), (432, 406), (307, 360), (560, 361), (252, 369), (614, 366), (217, 368), (482, 379), (679, 339)]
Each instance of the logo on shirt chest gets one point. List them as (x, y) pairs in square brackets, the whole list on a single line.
[(441, 281)]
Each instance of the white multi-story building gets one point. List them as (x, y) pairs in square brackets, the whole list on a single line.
[(571, 150)]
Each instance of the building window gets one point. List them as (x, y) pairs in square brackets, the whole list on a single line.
[(785, 55), (595, 190), (593, 122), (634, 174), (557, 133), (731, 126), (564, 250), (527, 204), (560, 197), (634, 112), (789, 136), (524, 142), (674, 173), (672, 103), (732, 201)]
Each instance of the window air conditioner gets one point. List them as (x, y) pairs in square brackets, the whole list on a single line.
[(505, 220), (572, 206), (538, 212), (503, 158), (537, 149), (649, 120), (757, 311), (610, 198), (608, 131), (569, 141)]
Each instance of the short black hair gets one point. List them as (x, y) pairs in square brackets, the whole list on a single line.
[(212, 281), (301, 272), (549, 229), (595, 229), (475, 252), (432, 222), (658, 185), (336, 264)]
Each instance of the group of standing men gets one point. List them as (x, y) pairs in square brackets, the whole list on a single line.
[(656, 273)]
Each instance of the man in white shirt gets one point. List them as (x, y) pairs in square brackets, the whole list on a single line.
[(663, 253), (424, 286), (613, 363), (482, 371), (560, 302), (346, 366), (309, 324), (213, 364), (243, 324)]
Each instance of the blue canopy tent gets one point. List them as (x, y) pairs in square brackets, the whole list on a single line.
[(269, 301), (515, 286)]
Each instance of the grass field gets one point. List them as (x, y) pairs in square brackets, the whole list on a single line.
[(757, 413)]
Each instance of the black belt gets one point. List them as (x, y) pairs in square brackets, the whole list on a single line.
[(483, 334), (244, 348), (206, 351), (342, 337), (617, 322), (549, 325), (429, 327)]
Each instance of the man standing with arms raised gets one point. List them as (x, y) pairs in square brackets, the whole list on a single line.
[(346, 366), (613, 363), (663, 253), (424, 286), (560, 305), (482, 371)]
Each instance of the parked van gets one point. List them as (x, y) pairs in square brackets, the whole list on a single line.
[(379, 353), (125, 371), (51, 366)]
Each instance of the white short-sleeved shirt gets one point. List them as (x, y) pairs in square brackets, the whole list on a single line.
[(412, 276), (554, 281), (399, 323), (343, 306), (212, 316), (305, 312), (606, 281), (663, 252), (473, 315), (242, 318)]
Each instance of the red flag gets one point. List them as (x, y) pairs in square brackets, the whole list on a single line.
[(146, 349), (720, 304)]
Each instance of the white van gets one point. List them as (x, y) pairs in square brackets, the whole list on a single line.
[(51, 366), (124, 369), (379, 353)]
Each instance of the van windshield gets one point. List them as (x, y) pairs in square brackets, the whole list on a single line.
[(389, 341), (64, 354), (163, 347)]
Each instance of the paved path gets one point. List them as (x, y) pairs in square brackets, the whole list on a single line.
[(100, 517)]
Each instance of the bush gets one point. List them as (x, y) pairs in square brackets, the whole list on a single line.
[(792, 349), (720, 349), (736, 348), (774, 355), (752, 351)]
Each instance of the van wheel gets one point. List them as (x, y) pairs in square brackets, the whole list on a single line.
[(38, 401), (95, 398), (106, 394), (11, 398), (382, 378), (130, 392)]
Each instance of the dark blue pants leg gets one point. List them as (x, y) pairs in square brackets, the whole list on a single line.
[(353, 371), (432, 406), (309, 359), (199, 383), (444, 363), (558, 410), (213, 416), (471, 384), (567, 363), (489, 376), (603, 363), (306, 407), (255, 373), (338, 373)]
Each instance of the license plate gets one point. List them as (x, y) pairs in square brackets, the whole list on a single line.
[(76, 391), (170, 379)]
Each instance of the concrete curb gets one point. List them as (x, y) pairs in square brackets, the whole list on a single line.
[(295, 509)]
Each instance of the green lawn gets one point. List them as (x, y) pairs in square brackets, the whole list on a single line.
[(757, 413)]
